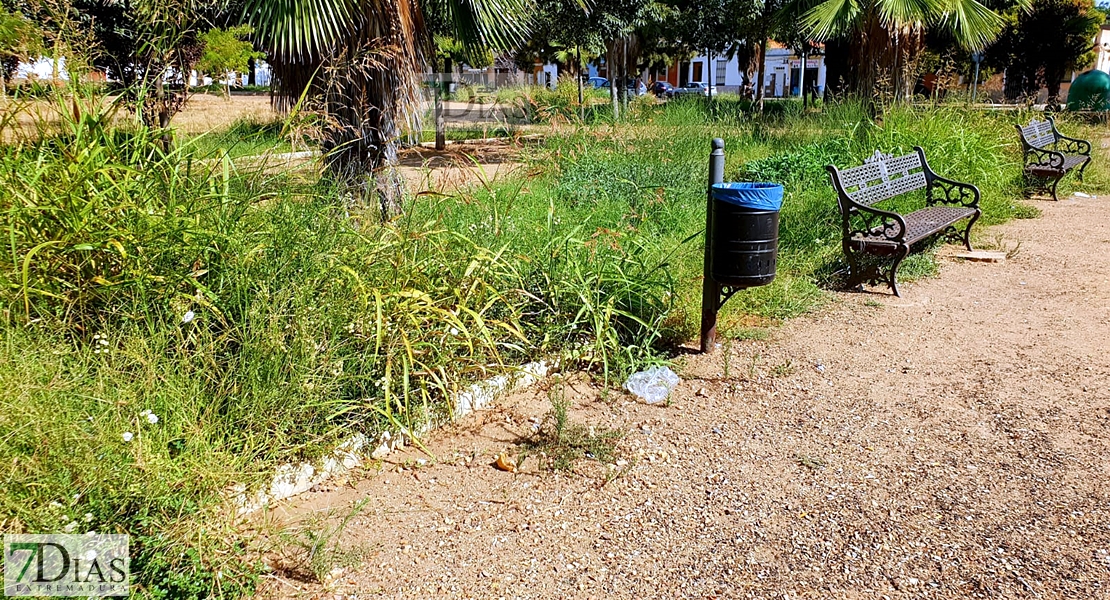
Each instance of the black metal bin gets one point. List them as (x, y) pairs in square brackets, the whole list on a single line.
[(744, 236)]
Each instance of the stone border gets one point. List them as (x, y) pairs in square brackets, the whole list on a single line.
[(294, 479)]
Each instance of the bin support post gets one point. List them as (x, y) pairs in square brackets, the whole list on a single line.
[(711, 290)]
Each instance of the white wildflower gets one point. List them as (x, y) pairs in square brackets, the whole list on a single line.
[(188, 317), (152, 418), (55, 504), (70, 527), (88, 517), (453, 331), (128, 436)]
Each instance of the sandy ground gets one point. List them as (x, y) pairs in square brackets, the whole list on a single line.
[(950, 444)]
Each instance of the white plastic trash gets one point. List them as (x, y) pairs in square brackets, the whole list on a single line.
[(654, 385)]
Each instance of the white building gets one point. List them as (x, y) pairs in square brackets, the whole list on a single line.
[(781, 72)]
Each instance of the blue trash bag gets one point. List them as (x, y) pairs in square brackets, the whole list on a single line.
[(756, 195)]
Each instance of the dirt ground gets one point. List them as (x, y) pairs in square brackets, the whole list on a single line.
[(950, 444)]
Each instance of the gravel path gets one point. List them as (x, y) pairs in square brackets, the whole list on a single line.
[(951, 444)]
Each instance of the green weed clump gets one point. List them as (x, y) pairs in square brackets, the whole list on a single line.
[(176, 323)]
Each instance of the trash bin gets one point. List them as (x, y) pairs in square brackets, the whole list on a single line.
[(744, 241)]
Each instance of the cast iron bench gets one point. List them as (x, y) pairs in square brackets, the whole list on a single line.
[(1049, 155), (887, 234)]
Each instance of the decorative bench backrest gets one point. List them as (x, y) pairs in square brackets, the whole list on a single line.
[(1039, 134), (882, 177)]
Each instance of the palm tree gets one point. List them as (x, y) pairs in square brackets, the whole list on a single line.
[(885, 35), (361, 62)]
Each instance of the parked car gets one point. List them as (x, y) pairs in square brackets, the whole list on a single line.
[(695, 87), (662, 89), (597, 82), (636, 87)]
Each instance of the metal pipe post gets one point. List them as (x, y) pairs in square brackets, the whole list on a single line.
[(711, 290)]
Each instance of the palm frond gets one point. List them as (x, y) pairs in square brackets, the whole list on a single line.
[(486, 24), (901, 13), (970, 23), (299, 30), (831, 18)]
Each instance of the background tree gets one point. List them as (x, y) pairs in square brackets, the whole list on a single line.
[(567, 33), (360, 62), (20, 40), (714, 28), (226, 51), (884, 36), (1040, 46)]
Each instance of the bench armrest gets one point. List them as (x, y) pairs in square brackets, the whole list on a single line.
[(943, 190), (867, 221), (1072, 145), (863, 220), (1039, 157), (951, 191)]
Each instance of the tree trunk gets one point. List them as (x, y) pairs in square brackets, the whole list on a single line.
[(162, 104), (836, 67), (441, 125), (712, 73), (252, 68), (624, 74), (613, 75), (760, 76), (1053, 101), (578, 77), (445, 84)]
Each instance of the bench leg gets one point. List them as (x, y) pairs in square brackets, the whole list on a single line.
[(967, 231), (898, 258), (855, 272), (1082, 167), (1055, 182)]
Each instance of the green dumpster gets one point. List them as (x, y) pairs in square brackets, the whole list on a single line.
[(1090, 91)]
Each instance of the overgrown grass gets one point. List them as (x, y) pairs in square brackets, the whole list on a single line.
[(640, 185), (262, 320)]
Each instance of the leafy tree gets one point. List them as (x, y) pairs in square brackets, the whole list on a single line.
[(715, 27), (1040, 46), (884, 36), (360, 62), (141, 44), (225, 51), (566, 32), (20, 40)]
